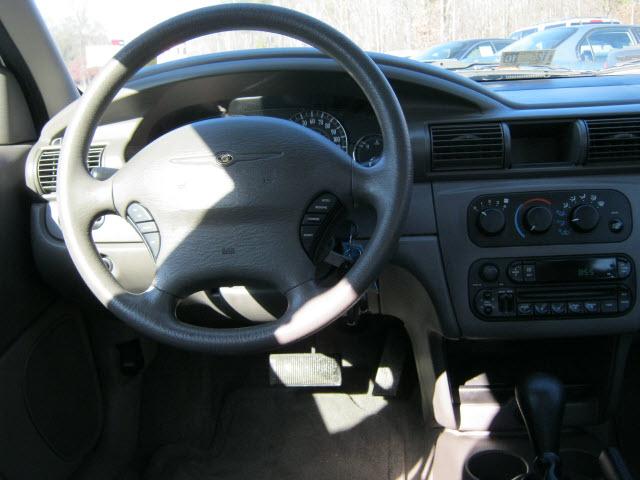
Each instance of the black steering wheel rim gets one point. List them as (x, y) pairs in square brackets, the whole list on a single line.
[(386, 186)]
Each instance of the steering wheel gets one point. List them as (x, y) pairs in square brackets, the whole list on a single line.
[(227, 195)]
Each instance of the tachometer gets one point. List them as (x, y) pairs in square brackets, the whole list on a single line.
[(325, 124), (368, 149)]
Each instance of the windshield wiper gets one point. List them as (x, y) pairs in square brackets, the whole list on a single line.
[(496, 65), (499, 71), (622, 67)]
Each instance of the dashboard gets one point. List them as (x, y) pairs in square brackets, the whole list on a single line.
[(523, 216)]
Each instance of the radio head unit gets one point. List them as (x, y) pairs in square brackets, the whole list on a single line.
[(551, 287)]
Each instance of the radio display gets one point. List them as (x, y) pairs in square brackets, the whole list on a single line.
[(579, 270)]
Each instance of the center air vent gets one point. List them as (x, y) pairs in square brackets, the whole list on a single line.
[(614, 140), (467, 147), (48, 165)]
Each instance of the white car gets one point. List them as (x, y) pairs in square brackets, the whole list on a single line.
[(523, 32)]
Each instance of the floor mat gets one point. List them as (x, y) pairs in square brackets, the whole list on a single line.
[(273, 433)]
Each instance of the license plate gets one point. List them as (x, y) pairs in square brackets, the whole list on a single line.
[(527, 57)]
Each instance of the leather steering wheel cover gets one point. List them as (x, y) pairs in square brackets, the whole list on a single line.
[(75, 184)]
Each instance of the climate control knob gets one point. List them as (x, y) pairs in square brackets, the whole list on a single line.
[(538, 219), (584, 218), (491, 221)]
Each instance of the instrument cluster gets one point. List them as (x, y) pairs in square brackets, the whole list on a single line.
[(365, 150)]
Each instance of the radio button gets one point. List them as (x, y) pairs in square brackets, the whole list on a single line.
[(505, 302), (489, 272), (575, 307), (515, 272), (624, 301), (592, 307), (624, 268), (525, 309), (609, 306), (558, 308), (542, 308), (529, 272)]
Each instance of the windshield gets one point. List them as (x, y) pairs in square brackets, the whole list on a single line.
[(441, 52), (468, 36), (545, 40)]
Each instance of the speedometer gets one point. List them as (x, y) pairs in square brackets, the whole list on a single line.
[(325, 124)]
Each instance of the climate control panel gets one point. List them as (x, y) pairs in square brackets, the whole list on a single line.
[(547, 218)]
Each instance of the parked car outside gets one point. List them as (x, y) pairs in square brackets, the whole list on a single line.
[(622, 56), (479, 49), (523, 32), (584, 47)]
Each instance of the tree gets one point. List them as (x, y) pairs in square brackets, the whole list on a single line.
[(73, 34)]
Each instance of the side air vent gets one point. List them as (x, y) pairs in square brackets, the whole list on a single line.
[(48, 165), (614, 140), (467, 147)]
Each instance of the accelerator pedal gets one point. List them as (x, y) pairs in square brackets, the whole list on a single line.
[(304, 370)]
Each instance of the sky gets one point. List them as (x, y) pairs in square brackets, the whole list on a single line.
[(122, 19)]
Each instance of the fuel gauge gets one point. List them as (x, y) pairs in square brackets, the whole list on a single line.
[(368, 149)]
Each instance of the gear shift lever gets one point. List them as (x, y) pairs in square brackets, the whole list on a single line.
[(541, 400)]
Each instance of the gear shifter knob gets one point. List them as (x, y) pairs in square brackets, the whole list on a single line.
[(541, 400)]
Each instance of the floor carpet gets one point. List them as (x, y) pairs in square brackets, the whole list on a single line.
[(274, 433)]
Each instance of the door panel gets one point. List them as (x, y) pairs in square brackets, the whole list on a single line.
[(50, 401), (22, 294)]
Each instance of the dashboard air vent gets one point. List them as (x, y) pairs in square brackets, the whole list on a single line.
[(614, 140), (467, 147), (48, 165)]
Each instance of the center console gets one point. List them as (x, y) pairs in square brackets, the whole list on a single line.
[(543, 257), (550, 287)]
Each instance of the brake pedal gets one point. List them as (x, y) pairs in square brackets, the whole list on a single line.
[(304, 370)]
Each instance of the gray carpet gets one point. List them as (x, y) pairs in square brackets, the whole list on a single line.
[(273, 433)]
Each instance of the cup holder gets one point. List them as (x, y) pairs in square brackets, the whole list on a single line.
[(494, 465)]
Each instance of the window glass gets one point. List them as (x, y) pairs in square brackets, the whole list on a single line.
[(444, 51), (597, 45), (545, 40), (482, 50), (446, 33)]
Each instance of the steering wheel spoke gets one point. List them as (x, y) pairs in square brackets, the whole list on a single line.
[(92, 198)]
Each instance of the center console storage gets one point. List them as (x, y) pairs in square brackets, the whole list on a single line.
[(494, 465), (477, 392), (486, 437)]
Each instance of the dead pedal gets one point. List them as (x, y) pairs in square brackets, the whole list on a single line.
[(304, 370)]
